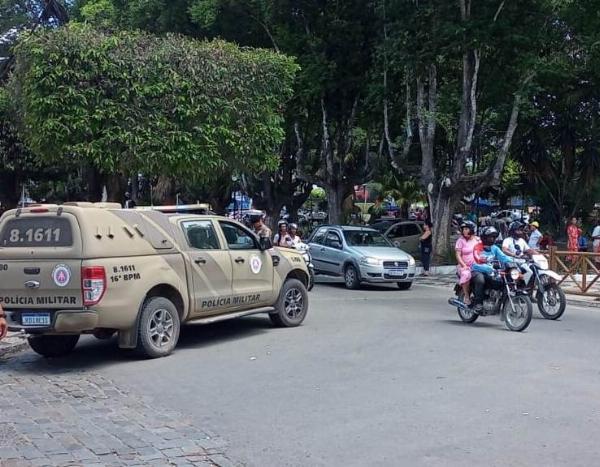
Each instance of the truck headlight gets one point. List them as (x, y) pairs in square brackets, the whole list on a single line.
[(411, 261), (369, 261)]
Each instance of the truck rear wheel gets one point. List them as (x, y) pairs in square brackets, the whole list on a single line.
[(158, 328), (292, 305), (53, 346)]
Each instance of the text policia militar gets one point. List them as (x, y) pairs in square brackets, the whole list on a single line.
[(233, 301)]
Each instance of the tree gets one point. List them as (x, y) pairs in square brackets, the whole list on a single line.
[(464, 136), (130, 101)]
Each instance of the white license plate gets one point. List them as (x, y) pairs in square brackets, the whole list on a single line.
[(35, 319), (397, 272)]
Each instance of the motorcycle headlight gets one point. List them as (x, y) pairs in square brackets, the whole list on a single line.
[(515, 274), (411, 261), (369, 261)]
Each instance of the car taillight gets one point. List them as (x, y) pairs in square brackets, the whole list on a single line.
[(93, 284)]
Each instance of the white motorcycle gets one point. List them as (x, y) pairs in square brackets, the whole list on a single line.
[(542, 281), (304, 250)]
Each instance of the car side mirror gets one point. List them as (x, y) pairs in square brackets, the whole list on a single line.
[(397, 244), (265, 243)]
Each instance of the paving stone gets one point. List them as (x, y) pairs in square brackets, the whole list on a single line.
[(58, 417)]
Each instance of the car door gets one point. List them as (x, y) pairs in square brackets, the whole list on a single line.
[(332, 253), (211, 267), (411, 238), (252, 268), (316, 245)]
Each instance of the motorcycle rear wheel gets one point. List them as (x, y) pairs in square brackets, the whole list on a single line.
[(466, 314), (519, 319), (551, 302)]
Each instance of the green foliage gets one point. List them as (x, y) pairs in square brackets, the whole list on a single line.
[(130, 101)]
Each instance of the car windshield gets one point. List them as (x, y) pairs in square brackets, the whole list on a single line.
[(365, 238)]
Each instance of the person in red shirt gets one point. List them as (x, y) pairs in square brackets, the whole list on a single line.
[(3, 325)]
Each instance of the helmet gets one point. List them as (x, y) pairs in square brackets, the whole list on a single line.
[(489, 235), (293, 226), (468, 225), (282, 222), (514, 226)]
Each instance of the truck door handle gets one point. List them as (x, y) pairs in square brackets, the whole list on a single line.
[(240, 260), (200, 261)]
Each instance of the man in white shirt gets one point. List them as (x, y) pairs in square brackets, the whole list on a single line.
[(515, 245), (535, 236), (596, 237)]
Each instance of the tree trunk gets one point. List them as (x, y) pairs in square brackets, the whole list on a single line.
[(441, 217), (116, 186), (335, 201)]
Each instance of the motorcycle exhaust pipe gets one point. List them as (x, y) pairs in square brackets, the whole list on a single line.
[(456, 302)]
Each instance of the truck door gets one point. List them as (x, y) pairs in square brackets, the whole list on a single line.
[(211, 268), (252, 268)]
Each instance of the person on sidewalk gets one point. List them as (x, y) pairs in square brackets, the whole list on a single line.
[(3, 324), (573, 233), (535, 236), (426, 247), (596, 240)]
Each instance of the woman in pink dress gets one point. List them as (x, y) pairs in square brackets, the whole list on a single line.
[(464, 248), (573, 233)]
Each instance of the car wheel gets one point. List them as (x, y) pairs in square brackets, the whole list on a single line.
[(53, 346), (292, 305), (158, 329), (351, 278), (404, 285)]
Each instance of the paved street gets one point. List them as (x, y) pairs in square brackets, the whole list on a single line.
[(375, 377)]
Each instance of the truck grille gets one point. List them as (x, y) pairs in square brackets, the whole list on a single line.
[(395, 264)]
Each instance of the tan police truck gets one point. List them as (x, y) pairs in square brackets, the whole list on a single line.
[(83, 268)]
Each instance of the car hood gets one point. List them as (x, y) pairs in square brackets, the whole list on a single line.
[(390, 253)]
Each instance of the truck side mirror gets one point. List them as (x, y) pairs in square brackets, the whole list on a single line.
[(265, 243)]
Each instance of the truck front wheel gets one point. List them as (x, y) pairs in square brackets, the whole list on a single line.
[(53, 346), (158, 328), (292, 305)]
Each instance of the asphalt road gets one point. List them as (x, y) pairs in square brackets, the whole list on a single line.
[(380, 377)]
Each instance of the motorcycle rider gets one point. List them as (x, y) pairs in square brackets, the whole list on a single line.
[(485, 253), (293, 230), (464, 248), (515, 245), (282, 237)]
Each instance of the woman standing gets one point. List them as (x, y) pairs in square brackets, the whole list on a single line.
[(426, 247), (3, 325), (465, 247), (596, 240), (573, 233)]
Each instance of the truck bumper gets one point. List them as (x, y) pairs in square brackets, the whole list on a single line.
[(61, 321)]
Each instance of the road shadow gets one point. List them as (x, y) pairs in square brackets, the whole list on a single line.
[(363, 287), (477, 324), (93, 354)]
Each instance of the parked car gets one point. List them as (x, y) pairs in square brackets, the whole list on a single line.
[(360, 254), (510, 215), (405, 235)]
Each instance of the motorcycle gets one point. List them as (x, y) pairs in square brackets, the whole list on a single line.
[(542, 281), (503, 296), (304, 250)]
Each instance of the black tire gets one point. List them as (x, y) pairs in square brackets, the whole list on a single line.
[(521, 321), (291, 306), (53, 346), (158, 328), (466, 314), (404, 285), (560, 298), (351, 277)]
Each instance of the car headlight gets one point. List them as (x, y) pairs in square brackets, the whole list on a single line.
[(411, 261), (515, 274), (369, 261)]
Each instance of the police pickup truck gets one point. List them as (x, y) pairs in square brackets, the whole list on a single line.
[(94, 268)]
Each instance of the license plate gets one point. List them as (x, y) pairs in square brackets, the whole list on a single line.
[(35, 319), (397, 272)]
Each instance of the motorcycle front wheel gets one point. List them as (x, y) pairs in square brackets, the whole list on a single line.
[(551, 301), (518, 319), (466, 314)]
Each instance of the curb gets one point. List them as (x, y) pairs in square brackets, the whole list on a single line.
[(19, 344)]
